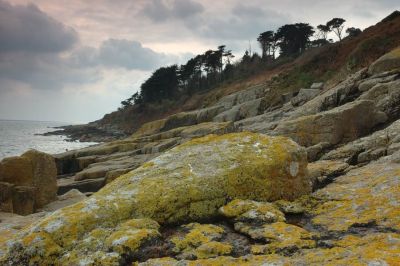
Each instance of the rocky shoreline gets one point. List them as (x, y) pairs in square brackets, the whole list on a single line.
[(87, 133), (312, 180)]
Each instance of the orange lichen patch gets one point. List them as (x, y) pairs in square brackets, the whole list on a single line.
[(367, 195)]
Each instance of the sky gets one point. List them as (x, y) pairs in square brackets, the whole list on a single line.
[(76, 60)]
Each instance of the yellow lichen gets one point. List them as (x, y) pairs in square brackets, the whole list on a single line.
[(125, 241), (252, 210), (197, 235), (279, 236), (367, 195), (213, 249), (189, 182)]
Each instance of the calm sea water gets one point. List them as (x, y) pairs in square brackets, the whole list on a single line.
[(16, 137)]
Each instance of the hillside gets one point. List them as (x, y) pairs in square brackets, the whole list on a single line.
[(297, 165), (329, 64)]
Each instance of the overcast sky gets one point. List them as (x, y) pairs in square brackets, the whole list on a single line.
[(75, 60)]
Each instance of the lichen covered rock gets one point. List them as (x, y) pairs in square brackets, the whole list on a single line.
[(252, 212), (366, 196), (189, 182)]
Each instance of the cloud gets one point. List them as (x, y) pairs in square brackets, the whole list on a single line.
[(159, 11), (242, 23), (129, 55), (27, 28)]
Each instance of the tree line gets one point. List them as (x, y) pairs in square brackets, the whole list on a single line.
[(214, 67)]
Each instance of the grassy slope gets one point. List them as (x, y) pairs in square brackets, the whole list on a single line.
[(329, 64)]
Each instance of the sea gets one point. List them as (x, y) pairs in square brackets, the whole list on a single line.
[(17, 136)]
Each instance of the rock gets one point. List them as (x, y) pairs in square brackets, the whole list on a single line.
[(324, 171), (6, 193), (17, 171), (304, 96), (250, 211), (371, 147), (242, 111), (317, 86), (371, 249), (386, 97), (23, 200), (339, 125), (71, 197), (189, 182), (287, 97), (367, 84), (243, 96), (88, 185), (365, 197), (44, 176), (200, 241), (290, 207), (33, 173), (344, 92), (316, 151), (280, 236), (10, 226), (386, 62)]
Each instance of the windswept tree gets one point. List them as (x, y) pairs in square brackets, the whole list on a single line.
[(336, 25), (323, 31), (266, 39), (353, 32)]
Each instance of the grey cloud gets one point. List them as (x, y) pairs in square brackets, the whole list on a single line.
[(159, 11), (27, 28), (42, 71), (122, 53), (128, 54), (245, 23)]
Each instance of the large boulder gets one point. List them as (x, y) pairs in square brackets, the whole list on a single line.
[(34, 176), (339, 125), (386, 62), (189, 182)]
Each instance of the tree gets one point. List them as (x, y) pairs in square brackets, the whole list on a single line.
[(265, 39), (353, 32), (293, 38), (323, 31), (336, 25), (162, 84)]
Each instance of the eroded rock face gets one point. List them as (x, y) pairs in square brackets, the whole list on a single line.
[(341, 124), (190, 182), (32, 180)]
